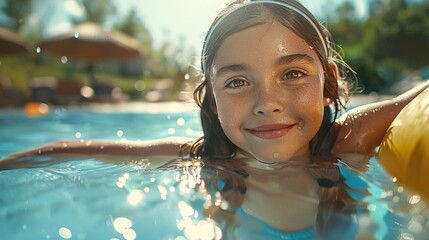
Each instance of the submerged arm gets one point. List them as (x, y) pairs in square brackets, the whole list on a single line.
[(362, 129)]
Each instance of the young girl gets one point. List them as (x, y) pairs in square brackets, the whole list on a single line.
[(272, 89)]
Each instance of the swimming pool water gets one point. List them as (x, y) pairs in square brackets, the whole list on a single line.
[(84, 198), (21, 132)]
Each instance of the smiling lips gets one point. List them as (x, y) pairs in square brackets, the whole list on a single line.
[(271, 131)]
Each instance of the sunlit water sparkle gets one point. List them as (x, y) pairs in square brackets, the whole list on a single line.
[(88, 199)]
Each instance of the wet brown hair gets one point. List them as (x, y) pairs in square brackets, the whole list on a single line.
[(239, 15)]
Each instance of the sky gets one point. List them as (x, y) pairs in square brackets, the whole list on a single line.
[(169, 20)]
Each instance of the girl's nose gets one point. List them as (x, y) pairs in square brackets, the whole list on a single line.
[(268, 102)]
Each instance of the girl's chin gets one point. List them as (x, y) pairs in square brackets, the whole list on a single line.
[(278, 158)]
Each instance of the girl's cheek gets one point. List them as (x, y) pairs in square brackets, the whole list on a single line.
[(227, 116)]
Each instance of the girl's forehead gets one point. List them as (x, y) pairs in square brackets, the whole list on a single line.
[(269, 40)]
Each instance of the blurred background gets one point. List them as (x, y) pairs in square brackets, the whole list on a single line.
[(78, 51)]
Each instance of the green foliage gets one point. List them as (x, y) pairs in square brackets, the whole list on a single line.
[(387, 44)]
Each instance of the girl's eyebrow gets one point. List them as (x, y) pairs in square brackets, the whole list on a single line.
[(230, 69), (294, 58)]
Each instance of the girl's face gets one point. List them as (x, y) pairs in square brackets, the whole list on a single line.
[(268, 88)]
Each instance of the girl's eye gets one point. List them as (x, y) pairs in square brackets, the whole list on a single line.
[(236, 83), (293, 74)]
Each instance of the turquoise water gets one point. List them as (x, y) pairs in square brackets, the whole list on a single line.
[(83, 198)]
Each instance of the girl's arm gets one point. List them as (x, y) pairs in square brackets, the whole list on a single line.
[(112, 149), (362, 129)]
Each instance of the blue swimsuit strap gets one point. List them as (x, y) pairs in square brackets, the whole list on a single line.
[(267, 230)]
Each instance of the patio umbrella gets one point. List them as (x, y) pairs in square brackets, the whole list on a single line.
[(90, 42), (11, 43)]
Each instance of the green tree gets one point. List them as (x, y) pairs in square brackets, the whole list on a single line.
[(391, 41), (350, 33), (133, 26), (402, 34)]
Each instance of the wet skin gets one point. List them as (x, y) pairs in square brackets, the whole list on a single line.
[(268, 89)]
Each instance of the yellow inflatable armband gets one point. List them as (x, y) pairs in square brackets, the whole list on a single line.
[(404, 151)]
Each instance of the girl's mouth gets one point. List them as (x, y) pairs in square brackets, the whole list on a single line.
[(271, 131)]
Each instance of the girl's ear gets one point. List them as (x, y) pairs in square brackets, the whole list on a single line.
[(331, 87), (333, 68)]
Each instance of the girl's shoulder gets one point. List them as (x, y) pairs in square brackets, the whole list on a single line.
[(362, 129)]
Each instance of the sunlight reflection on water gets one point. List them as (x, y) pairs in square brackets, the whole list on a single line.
[(87, 199)]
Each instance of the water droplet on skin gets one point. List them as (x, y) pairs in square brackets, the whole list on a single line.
[(281, 48), (300, 125), (376, 110)]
